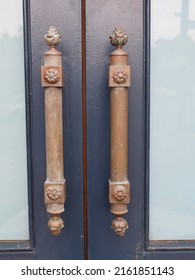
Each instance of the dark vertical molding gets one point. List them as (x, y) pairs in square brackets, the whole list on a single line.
[(84, 123), (28, 90), (146, 120)]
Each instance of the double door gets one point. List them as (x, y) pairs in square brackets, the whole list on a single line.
[(85, 27)]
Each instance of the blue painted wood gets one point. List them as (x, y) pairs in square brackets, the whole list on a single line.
[(134, 16), (101, 21), (66, 16)]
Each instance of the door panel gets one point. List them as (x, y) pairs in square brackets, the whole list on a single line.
[(100, 22), (66, 17)]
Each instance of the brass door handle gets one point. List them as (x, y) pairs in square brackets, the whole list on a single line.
[(52, 81), (119, 81)]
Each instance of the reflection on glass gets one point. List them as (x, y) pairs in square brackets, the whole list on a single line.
[(13, 162), (172, 120)]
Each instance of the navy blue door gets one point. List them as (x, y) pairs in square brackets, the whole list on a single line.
[(85, 27), (66, 17), (100, 22)]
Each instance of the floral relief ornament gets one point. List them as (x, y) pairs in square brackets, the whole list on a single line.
[(120, 77), (54, 192), (120, 193), (51, 76)]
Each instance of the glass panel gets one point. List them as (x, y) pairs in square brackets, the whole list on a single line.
[(172, 120), (13, 163)]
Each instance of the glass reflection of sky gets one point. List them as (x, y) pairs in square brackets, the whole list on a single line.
[(11, 17), (172, 120), (13, 162)]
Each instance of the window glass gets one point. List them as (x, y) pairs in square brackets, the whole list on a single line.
[(13, 153), (172, 120)]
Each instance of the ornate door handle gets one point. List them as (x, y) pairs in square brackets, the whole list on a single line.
[(52, 81), (119, 81)]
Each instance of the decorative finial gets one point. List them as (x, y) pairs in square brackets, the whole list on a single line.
[(52, 38), (119, 225), (56, 225), (118, 37)]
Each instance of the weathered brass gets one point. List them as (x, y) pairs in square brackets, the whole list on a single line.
[(52, 81), (119, 76), (51, 76), (119, 225), (119, 192), (119, 81)]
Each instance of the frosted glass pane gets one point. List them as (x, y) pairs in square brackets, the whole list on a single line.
[(172, 120), (13, 163)]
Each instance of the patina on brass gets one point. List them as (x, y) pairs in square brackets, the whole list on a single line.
[(119, 225), (119, 81), (52, 81)]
